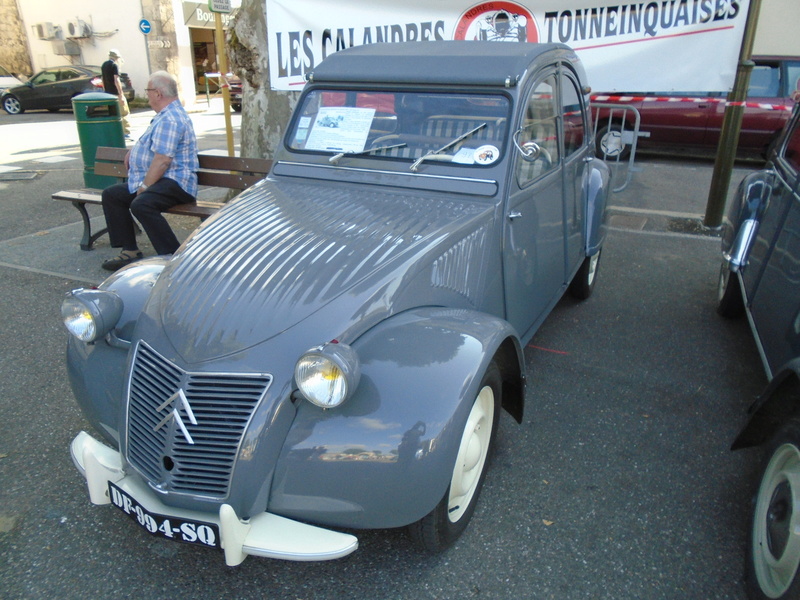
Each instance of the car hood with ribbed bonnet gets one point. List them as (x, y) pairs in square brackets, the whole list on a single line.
[(283, 251)]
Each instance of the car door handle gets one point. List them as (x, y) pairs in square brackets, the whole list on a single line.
[(514, 215)]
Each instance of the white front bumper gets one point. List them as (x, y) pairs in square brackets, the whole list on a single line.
[(265, 534)]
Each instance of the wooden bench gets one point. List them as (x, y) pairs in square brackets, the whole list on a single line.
[(215, 171)]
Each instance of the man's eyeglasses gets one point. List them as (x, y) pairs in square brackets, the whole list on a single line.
[(150, 90)]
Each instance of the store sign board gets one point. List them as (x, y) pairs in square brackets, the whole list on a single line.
[(220, 6), (198, 16)]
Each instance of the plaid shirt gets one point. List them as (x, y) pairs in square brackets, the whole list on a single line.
[(170, 133)]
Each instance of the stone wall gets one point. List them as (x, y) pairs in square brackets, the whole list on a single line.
[(14, 54)]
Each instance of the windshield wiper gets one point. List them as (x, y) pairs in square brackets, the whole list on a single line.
[(336, 157), (447, 146)]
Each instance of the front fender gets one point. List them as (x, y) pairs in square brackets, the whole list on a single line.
[(133, 284), (97, 371), (773, 408), (385, 457)]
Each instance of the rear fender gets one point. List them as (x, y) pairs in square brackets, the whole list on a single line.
[(385, 457), (595, 190), (773, 408)]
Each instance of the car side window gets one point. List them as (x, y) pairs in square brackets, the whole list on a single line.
[(44, 77), (764, 81), (574, 121), (67, 74), (792, 77), (539, 125)]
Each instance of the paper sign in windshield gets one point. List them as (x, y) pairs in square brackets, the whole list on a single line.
[(340, 129)]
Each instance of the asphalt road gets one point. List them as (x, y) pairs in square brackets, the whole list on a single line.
[(618, 484)]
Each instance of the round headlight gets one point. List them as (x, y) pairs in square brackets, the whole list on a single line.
[(90, 314), (328, 375)]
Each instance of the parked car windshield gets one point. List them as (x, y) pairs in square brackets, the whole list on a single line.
[(407, 125)]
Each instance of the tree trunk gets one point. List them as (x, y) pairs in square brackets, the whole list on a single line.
[(265, 113)]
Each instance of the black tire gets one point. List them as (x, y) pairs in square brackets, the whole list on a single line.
[(582, 284), (608, 143), (236, 107), (12, 105), (772, 569), (730, 303), (440, 528)]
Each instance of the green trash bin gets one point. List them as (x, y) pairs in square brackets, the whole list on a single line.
[(99, 122)]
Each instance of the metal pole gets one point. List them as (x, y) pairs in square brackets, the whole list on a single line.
[(222, 61), (732, 124)]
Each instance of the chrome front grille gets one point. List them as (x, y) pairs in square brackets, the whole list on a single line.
[(201, 460)]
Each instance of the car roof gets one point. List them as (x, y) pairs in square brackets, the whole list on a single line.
[(771, 58), (87, 69), (79, 67), (444, 62)]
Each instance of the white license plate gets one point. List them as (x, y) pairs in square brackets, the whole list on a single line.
[(173, 528)]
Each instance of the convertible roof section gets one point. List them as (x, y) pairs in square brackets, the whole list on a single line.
[(440, 62)]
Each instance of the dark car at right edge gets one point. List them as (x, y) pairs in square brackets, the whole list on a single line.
[(760, 276)]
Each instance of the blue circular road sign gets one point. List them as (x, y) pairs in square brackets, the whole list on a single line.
[(144, 26)]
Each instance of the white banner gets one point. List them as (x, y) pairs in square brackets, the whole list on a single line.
[(649, 46)]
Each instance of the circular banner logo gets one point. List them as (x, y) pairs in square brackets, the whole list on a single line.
[(497, 22)]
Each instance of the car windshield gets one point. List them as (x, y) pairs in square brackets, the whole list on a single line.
[(461, 129)]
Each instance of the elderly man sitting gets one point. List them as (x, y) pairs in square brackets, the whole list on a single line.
[(162, 172)]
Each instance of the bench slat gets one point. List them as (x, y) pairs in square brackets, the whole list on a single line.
[(109, 153), (232, 163), (112, 169), (200, 209), (227, 180), (86, 196)]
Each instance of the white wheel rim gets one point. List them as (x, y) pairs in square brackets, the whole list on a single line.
[(776, 523), (472, 454)]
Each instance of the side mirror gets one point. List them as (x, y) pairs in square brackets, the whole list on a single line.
[(531, 151)]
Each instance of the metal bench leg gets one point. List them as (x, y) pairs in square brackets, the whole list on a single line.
[(87, 241)]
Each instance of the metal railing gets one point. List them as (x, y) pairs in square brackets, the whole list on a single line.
[(616, 139)]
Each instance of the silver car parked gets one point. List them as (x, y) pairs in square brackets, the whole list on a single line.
[(332, 349)]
